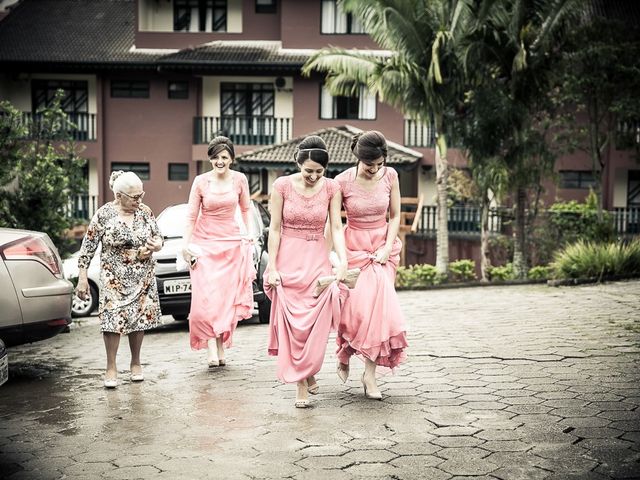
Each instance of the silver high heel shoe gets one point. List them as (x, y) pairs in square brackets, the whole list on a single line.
[(343, 373), (373, 396)]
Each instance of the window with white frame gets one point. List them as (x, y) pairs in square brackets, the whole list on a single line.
[(200, 15), (360, 107), (335, 20)]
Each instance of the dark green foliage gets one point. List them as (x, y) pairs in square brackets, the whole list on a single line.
[(589, 259), (41, 173)]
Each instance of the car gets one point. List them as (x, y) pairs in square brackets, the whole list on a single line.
[(174, 287), (4, 364), (35, 298)]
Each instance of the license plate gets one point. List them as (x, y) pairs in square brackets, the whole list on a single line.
[(174, 287), (4, 369)]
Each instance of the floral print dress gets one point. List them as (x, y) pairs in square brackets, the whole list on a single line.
[(129, 294)]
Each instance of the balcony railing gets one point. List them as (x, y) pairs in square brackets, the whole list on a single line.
[(626, 221), (78, 126), (419, 134), (82, 206), (461, 220), (243, 130)]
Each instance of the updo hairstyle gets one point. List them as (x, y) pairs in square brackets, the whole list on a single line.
[(219, 144), (369, 146), (312, 148), (120, 181)]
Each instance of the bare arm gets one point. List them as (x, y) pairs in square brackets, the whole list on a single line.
[(245, 201), (394, 223), (337, 234), (193, 210), (274, 236)]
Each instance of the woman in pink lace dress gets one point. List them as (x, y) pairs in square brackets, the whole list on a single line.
[(221, 259), (372, 324), (298, 256)]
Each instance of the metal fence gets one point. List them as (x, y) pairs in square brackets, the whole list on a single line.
[(243, 130), (82, 206), (79, 126), (465, 220)]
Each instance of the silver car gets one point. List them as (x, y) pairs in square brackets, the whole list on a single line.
[(35, 298)]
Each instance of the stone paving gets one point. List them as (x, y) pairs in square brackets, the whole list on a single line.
[(522, 382)]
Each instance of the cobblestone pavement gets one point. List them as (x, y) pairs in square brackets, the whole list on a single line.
[(505, 382)]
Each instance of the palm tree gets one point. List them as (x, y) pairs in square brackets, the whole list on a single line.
[(422, 76)]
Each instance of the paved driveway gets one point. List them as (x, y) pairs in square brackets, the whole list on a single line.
[(504, 382)]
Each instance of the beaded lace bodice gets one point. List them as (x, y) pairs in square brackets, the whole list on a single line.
[(362, 204), (305, 214)]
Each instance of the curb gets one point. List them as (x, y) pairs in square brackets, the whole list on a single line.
[(567, 282), (505, 283)]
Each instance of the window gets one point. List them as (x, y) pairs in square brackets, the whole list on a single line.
[(139, 168), (247, 112), (266, 6), (179, 172), (334, 20), (362, 107), (627, 134), (130, 88), (178, 90), (200, 15), (74, 103), (576, 179)]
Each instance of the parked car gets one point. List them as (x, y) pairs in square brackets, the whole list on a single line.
[(174, 287), (4, 364), (35, 298)]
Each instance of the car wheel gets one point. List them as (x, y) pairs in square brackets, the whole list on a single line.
[(180, 318), (264, 310), (83, 308)]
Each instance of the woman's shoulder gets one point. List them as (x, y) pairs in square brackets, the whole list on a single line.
[(239, 177), (346, 176), (146, 209), (390, 173), (333, 185)]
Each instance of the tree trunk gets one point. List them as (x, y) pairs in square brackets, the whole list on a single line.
[(485, 263), (442, 180), (519, 257)]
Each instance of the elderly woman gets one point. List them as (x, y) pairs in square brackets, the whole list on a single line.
[(129, 302)]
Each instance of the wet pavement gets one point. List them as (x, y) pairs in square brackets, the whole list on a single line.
[(526, 382)]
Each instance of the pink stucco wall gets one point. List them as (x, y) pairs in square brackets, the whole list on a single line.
[(157, 130)]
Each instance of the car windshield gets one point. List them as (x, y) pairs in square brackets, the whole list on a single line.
[(172, 221)]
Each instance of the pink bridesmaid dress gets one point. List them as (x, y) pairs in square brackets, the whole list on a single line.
[(300, 324), (372, 324), (221, 281)]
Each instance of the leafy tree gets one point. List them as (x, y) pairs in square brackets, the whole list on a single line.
[(42, 171), (598, 87), (422, 78), (515, 48)]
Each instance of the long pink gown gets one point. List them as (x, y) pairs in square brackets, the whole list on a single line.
[(372, 324), (221, 282), (300, 324)]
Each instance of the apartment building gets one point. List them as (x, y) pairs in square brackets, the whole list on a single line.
[(149, 82)]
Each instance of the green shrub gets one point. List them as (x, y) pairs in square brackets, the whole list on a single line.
[(463, 270), (418, 276), (539, 272), (587, 259), (502, 273)]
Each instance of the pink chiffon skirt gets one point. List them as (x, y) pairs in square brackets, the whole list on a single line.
[(221, 289), (300, 324), (372, 323)]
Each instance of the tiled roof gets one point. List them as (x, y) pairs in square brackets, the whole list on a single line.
[(338, 140), (71, 31), (255, 53)]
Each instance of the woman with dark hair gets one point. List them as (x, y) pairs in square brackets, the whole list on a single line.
[(372, 324), (220, 258), (298, 256)]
